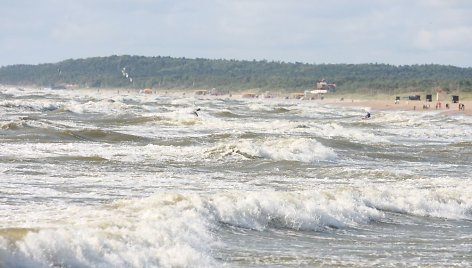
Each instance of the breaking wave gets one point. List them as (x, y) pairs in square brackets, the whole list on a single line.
[(278, 149), (180, 229)]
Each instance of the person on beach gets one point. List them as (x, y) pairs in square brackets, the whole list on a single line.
[(367, 116)]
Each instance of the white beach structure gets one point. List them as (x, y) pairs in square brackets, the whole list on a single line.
[(322, 87)]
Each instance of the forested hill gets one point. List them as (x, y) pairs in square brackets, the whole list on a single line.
[(183, 73)]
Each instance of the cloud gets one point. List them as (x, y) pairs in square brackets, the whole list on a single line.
[(451, 38), (396, 32)]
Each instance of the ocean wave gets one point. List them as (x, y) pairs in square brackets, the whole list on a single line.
[(331, 130), (51, 130), (311, 210), (13, 125), (180, 229), (340, 207), (280, 110), (181, 117), (171, 229), (129, 120), (227, 114), (31, 105), (278, 149), (431, 127), (449, 203), (101, 106), (163, 231), (106, 136), (343, 207)]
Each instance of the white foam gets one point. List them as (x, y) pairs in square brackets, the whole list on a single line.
[(169, 230), (310, 210), (341, 207), (453, 202), (331, 130), (109, 152), (32, 105), (417, 127), (57, 190), (104, 106), (290, 149), (177, 229)]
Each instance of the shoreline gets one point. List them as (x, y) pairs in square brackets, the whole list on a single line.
[(379, 103), (406, 105)]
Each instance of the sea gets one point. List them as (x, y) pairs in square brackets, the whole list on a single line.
[(118, 178)]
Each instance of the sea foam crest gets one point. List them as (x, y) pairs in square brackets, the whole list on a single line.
[(178, 229), (289, 149), (309, 210), (341, 207), (166, 230), (174, 229), (31, 105), (454, 202), (336, 130), (104, 106)]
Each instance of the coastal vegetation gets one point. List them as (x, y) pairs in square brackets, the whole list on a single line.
[(184, 73)]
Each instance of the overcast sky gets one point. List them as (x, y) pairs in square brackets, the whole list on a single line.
[(399, 32)]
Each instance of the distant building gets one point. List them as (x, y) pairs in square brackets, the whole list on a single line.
[(325, 87), (322, 87)]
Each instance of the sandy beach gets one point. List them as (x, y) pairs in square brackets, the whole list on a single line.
[(406, 105)]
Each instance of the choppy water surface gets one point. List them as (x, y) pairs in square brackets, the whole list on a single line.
[(108, 179)]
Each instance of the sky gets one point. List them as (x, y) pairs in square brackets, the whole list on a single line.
[(397, 32)]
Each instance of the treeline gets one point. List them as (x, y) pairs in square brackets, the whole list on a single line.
[(183, 73)]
